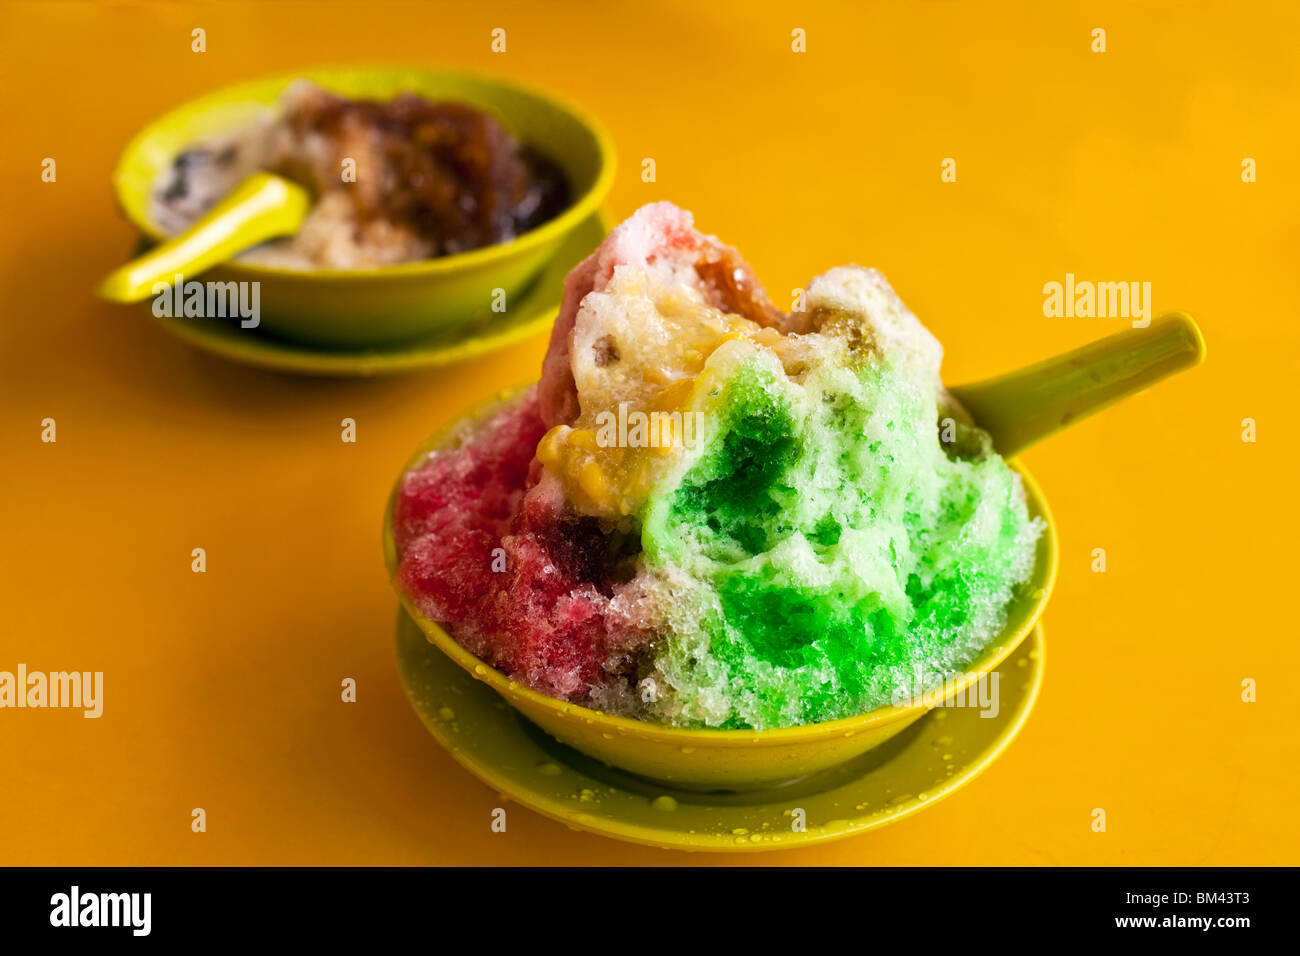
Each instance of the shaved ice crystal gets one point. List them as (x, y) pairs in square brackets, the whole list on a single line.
[(710, 513)]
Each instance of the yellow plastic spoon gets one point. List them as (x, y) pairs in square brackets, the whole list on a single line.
[(1023, 407), (261, 207)]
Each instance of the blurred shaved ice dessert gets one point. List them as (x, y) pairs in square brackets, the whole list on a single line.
[(711, 513), (398, 181)]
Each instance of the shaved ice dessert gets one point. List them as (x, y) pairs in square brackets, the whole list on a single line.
[(392, 181), (711, 513)]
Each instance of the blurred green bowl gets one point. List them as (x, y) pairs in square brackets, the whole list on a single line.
[(393, 303)]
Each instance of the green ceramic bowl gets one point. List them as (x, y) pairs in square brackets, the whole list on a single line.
[(393, 303), (709, 759)]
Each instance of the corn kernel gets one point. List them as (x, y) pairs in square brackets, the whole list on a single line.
[(593, 483), (551, 448), (583, 438), (675, 395)]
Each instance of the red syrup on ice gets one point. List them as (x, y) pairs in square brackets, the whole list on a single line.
[(521, 580)]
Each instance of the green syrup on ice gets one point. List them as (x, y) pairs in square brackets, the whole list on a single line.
[(837, 555)]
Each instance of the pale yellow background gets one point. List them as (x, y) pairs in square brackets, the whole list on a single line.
[(222, 689)]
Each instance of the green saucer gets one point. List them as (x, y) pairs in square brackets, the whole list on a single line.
[(529, 314), (943, 751)]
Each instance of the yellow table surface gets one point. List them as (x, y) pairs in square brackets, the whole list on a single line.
[(222, 689)]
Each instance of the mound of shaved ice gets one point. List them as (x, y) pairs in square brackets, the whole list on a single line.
[(791, 540)]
